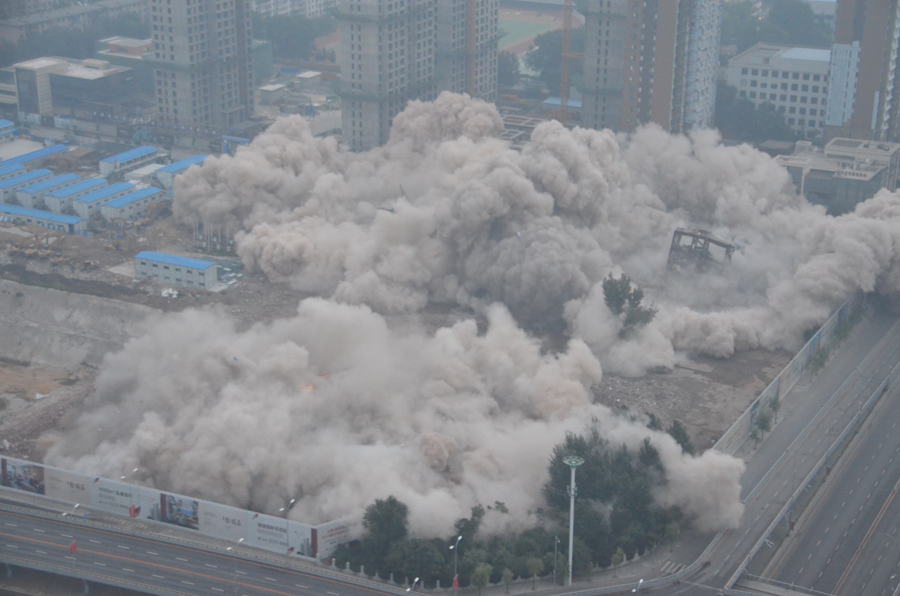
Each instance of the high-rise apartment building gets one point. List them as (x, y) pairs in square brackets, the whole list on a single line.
[(394, 51), (861, 99), (650, 61), (203, 66)]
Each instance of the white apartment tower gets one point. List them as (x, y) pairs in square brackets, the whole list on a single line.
[(394, 51), (203, 66), (651, 61)]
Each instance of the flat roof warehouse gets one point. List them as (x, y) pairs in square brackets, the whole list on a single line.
[(161, 257)]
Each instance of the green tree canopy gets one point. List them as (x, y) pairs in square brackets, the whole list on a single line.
[(789, 22), (385, 522), (680, 434), (482, 575), (737, 118), (416, 558), (546, 57), (508, 69)]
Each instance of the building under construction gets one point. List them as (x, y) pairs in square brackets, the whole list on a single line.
[(698, 249), (394, 51)]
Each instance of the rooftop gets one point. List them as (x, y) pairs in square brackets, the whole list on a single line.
[(184, 164), (132, 197), (813, 54), (9, 182), (38, 214), (128, 42), (132, 154), (6, 124), (40, 153), (68, 191), (10, 168), (51, 182), (771, 55), (105, 192), (161, 257)]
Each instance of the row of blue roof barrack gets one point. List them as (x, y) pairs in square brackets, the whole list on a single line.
[(8, 170), (4, 124), (68, 191), (184, 164), (161, 257), (132, 197), (50, 183), (38, 214), (130, 154), (32, 175), (39, 154), (99, 195)]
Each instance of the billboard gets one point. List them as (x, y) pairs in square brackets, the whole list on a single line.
[(222, 521), (114, 497), (22, 475), (300, 539), (179, 511), (331, 535), (68, 486), (268, 532)]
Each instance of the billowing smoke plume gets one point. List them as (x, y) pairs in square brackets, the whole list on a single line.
[(445, 212), (337, 408), (334, 408)]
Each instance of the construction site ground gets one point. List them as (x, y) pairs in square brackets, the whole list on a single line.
[(42, 391)]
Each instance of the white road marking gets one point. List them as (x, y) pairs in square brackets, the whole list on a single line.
[(123, 546), (127, 569), (332, 594), (180, 559), (12, 546), (304, 587), (99, 563), (270, 579), (68, 557), (159, 576), (217, 589), (39, 530), (66, 535), (9, 524), (95, 541), (188, 583), (150, 552), (213, 566), (40, 551)]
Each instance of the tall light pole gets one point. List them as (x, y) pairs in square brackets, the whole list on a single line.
[(573, 461), (555, 549), (455, 549)]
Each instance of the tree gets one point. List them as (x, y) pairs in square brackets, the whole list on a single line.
[(624, 299), (416, 557), (680, 434), (535, 566), (740, 25), (764, 421), (507, 578), (738, 118), (787, 22), (617, 559), (672, 532), (385, 522), (546, 57), (508, 73), (481, 576)]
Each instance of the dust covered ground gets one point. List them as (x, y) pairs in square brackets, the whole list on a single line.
[(706, 394)]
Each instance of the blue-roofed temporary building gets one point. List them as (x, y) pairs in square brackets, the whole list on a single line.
[(11, 170), (60, 201), (88, 205), (133, 205), (556, 102), (166, 174), (44, 219), (35, 157), (11, 185), (129, 160), (32, 196), (184, 271), (7, 130)]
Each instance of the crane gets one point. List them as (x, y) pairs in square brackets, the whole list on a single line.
[(567, 55)]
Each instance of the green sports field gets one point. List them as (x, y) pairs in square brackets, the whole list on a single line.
[(519, 31)]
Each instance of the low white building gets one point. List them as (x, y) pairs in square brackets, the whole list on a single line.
[(144, 174), (11, 170), (133, 205), (794, 80), (33, 217), (7, 130), (129, 160), (60, 201), (32, 196), (9, 186), (171, 269), (88, 205), (166, 174)]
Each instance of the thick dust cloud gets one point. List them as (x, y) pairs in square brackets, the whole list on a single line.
[(336, 407)]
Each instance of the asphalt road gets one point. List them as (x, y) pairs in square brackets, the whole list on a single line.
[(143, 563), (808, 424), (847, 541), (797, 443)]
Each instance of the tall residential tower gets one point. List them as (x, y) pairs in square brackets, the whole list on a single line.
[(651, 61), (203, 67), (394, 51)]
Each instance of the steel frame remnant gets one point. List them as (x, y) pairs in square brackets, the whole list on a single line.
[(693, 248)]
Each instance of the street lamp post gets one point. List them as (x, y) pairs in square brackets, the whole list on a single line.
[(555, 549), (455, 549), (573, 461), (287, 508), (413, 586)]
